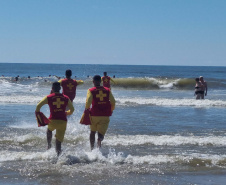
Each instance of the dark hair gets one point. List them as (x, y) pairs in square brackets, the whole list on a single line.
[(197, 79), (56, 86), (97, 78), (68, 72)]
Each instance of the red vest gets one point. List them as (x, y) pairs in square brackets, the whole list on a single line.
[(57, 103), (101, 105), (69, 88), (106, 81)]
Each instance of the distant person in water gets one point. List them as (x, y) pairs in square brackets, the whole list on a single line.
[(69, 85), (103, 104), (107, 80), (198, 89), (58, 115), (16, 78), (204, 87)]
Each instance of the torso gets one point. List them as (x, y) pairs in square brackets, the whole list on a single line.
[(106, 81), (101, 104), (57, 103), (69, 88)]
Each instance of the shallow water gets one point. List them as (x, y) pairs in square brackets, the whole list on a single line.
[(159, 135)]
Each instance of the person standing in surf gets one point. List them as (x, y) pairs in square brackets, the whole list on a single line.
[(198, 89), (204, 87), (58, 115), (103, 104), (69, 85), (107, 80)]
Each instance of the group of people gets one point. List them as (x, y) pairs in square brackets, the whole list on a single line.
[(60, 104), (200, 88)]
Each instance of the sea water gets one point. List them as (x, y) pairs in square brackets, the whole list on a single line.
[(158, 133)]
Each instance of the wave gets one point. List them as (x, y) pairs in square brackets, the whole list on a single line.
[(127, 83), (170, 102), (34, 99), (165, 140), (76, 150), (127, 140), (164, 83), (113, 158)]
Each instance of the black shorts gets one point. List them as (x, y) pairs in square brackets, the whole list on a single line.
[(199, 92)]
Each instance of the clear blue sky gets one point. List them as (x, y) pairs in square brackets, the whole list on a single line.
[(149, 32)]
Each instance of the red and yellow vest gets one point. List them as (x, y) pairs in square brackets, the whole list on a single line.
[(106, 81), (101, 105), (57, 103), (69, 88)]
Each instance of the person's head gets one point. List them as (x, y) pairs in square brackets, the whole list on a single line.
[(197, 79), (97, 80), (68, 73), (56, 87), (105, 73), (201, 78)]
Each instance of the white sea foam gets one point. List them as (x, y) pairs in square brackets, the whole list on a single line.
[(168, 140), (127, 140), (28, 99), (34, 99), (81, 156), (22, 155), (171, 102)]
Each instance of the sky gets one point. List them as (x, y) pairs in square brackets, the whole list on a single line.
[(130, 32)]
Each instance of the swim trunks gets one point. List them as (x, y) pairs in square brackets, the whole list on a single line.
[(100, 124), (60, 127)]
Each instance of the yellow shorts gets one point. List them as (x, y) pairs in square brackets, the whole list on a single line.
[(100, 124), (60, 127)]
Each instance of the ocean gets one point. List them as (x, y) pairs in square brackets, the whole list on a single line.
[(158, 133)]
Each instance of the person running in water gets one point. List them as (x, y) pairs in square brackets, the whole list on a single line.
[(58, 115), (69, 85), (103, 104), (107, 80)]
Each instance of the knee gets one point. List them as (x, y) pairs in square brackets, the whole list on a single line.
[(49, 131)]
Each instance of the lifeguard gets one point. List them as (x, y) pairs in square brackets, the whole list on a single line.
[(107, 80), (58, 115), (69, 85), (103, 104)]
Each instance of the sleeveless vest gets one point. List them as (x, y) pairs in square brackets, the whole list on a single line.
[(101, 105), (69, 88), (57, 103), (106, 81)]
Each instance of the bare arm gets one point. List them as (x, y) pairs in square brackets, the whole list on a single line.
[(41, 103), (71, 108), (112, 100), (89, 99), (79, 82)]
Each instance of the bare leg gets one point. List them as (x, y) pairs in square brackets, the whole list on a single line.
[(58, 147), (198, 96), (92, 139), (99, 143), (202, 96), (100, 138), (49, 138)]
